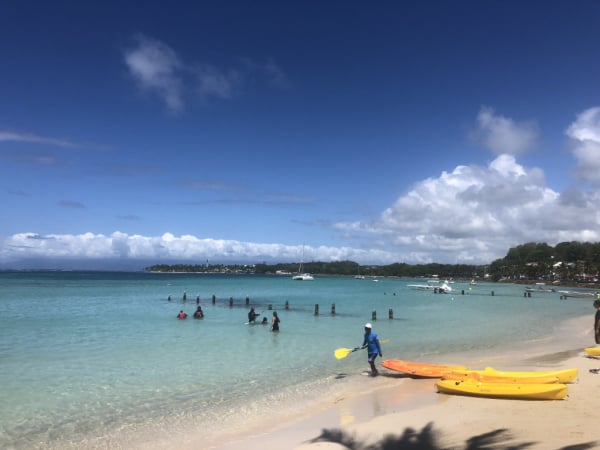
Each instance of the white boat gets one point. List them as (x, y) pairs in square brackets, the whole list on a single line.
[(579, 294), (541, 288), (444, 288), (301, 275), (432, 286), (423, 287)]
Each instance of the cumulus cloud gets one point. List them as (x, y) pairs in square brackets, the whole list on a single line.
[(470, 215), (585, 135), (156, 67), (502, 135), (475, 214), (169, 247)]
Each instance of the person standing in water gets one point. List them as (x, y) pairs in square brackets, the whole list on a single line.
[(252, 315), (371, 343), (275, 322), (597, 321)]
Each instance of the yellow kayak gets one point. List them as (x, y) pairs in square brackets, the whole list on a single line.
[(524, 391), (563, 375), (592, 351), (482, 376)]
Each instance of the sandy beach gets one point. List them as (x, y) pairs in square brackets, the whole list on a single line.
[(393, 410)]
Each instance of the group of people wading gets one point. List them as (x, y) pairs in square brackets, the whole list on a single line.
[(198, 314), (252, 315)]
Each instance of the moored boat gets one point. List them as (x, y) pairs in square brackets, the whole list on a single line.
[(540, 288), (525, 391), (303, 277), (579, 294), (432, 286)]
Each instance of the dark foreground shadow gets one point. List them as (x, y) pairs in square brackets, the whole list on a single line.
[(428, 438)]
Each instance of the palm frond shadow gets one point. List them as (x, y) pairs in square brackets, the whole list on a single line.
[(428, 439)]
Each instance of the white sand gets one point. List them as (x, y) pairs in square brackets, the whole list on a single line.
[(389, 404)]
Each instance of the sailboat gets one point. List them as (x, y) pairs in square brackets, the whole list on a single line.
[(301, 275)]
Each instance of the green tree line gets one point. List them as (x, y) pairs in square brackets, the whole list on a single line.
[(567, 261)]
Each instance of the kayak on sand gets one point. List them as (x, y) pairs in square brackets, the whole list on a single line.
[(419, 369), (553, 391)]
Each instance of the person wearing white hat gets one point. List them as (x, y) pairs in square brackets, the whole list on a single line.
[(371, 343)]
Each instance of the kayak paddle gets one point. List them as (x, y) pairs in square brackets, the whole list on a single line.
[(341, 353)]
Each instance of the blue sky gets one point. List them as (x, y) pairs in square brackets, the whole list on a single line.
[(243, 131)]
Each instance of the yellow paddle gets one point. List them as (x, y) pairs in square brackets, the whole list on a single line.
[(341, 353)]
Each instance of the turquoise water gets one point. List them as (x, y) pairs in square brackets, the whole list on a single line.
[(87, 356)]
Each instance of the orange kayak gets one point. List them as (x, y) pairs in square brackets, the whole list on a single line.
[(419, 369)]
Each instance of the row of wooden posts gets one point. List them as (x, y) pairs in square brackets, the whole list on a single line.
[(287, 306)]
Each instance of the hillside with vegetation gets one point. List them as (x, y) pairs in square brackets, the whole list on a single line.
[(567, 262)]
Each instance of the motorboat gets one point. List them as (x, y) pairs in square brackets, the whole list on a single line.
[(432, 286), (423, 287), (579, 294), (541, 288)]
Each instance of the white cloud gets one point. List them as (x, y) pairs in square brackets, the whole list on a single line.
[(156, 67), (475, 214), (10, 136), (213, 82), (168, 248), (502, 135), (470, 215), (585, 134)]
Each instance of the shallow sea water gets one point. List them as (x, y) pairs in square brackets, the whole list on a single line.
[(90, 357)]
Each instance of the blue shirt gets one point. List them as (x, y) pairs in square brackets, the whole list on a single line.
[(372, 343)]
